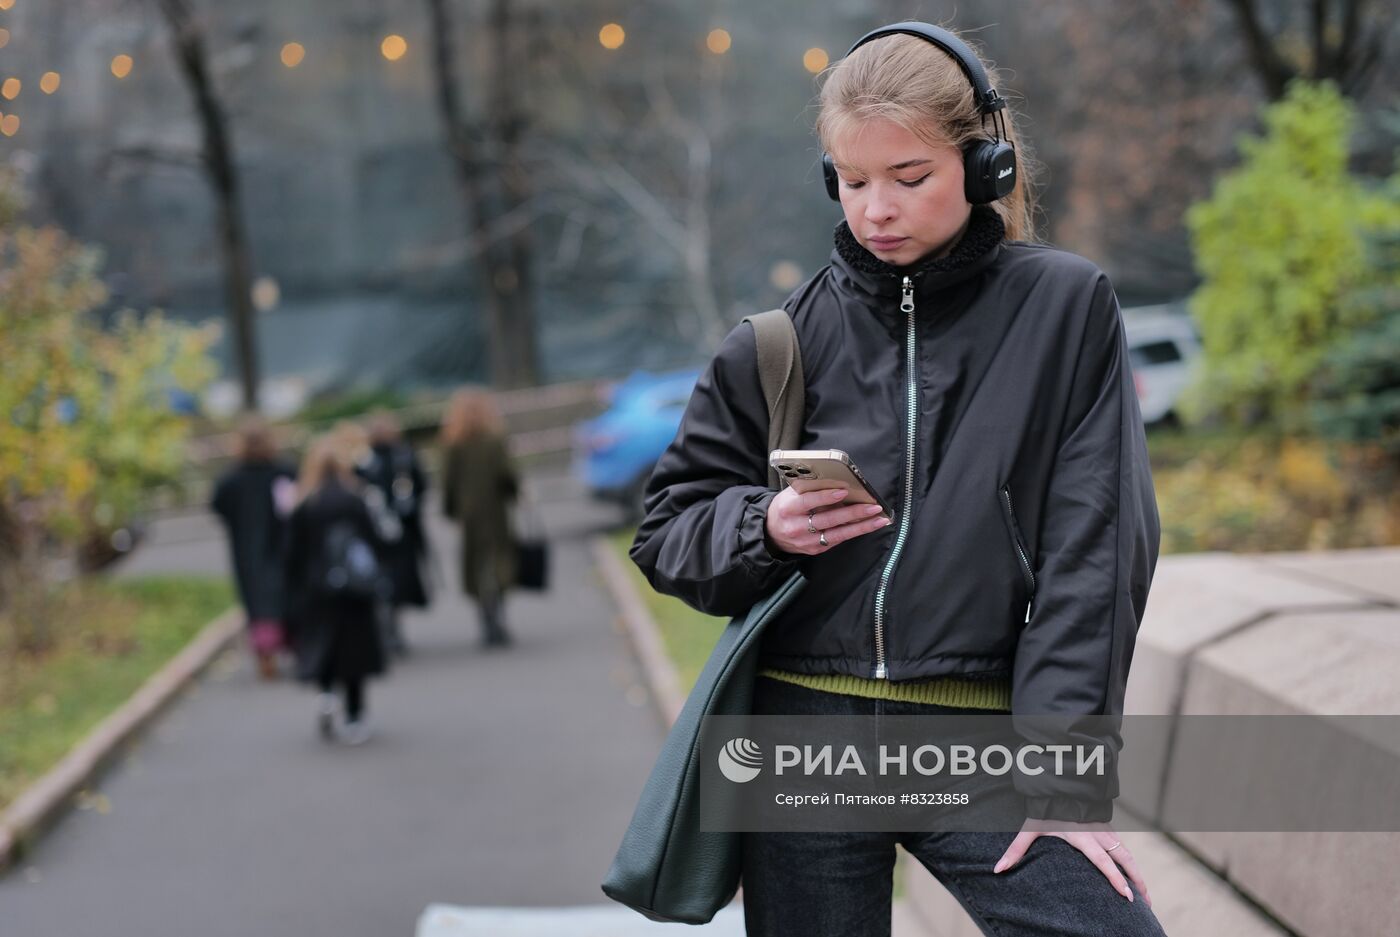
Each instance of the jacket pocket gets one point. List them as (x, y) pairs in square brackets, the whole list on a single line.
[(1023, 556)]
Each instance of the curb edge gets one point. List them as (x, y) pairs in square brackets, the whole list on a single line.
[(660, 674), (43, 802)]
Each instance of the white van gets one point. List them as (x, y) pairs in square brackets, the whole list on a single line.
[(1163, 347)]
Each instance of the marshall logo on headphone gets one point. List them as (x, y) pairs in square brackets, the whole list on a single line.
[(989, 166)]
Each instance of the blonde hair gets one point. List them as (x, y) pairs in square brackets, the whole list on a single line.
[(351, 441), (471, 411), (323, 460), (253, 440), (913, 83)]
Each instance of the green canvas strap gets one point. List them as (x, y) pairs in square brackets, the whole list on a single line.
[(780, 374)]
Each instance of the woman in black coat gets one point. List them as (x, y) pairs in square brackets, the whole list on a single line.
[(335, 560), (965, 368), (253, 499), (391, 469)]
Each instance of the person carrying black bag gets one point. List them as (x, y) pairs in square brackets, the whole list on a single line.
[(981, 382), (335, 568), (479, 484)]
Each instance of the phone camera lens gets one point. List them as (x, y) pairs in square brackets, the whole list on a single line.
[(804, 471), (784, 467)]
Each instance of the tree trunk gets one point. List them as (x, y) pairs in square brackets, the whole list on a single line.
[(503, 261), (217, 153), (23, 589), (516, 328)]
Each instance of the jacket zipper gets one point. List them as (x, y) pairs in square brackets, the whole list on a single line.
[(906, 306), (1026, 570)]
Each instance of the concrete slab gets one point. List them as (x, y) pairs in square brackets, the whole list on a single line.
[(1196, 600), (1370, 573), (1323, 663), (1320, 884), (1199, 598), (1334, 663), (441, 920)]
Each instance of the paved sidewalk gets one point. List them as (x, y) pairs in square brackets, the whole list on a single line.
[(496, 778)]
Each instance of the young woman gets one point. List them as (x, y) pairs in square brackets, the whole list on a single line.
[(479, 482), (253, 499), (980, 381), (335, 563)]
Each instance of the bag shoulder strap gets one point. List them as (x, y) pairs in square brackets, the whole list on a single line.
[(780, 374)]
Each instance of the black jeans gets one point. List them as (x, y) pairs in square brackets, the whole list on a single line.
[(354, 691), (840, 884)]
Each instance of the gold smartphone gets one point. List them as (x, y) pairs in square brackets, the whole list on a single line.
[(807, 470)]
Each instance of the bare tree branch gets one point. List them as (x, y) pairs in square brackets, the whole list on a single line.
[(1333, 53), (179, 159), (1271, 69)]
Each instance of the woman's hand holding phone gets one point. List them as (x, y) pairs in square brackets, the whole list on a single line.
[(791, 514)]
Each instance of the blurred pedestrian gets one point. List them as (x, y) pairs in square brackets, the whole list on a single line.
[(350, 441), (480, 481), (335, 562), (393, 471), (253, 499)]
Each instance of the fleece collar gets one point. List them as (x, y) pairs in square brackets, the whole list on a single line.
[(977, 248)]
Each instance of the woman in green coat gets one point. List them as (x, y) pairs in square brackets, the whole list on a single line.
[(479, 482)]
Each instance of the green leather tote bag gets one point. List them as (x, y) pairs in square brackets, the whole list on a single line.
[(667, 868)]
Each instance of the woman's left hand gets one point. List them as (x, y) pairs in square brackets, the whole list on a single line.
[(1092, 839)]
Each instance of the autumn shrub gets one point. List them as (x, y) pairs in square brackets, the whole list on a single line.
[(87, 429)]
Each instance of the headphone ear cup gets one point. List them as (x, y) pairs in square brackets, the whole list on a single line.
[(989, 171), (833, 181)]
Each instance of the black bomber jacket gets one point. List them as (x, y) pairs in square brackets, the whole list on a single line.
[(987, 396)]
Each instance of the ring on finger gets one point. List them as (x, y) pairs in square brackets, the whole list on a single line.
[(1114, 846), (811, 522), (822, 540)]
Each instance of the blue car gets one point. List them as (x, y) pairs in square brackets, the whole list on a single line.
[(615, 451)]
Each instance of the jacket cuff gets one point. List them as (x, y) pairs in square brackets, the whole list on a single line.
[(755, 550), (1069, 810)]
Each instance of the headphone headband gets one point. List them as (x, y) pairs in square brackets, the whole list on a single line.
[(989, 166), (988, 101)]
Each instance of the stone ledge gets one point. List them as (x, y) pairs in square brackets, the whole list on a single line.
[(441, 920), (1336, 663), (1372, 573), (1198, 599)]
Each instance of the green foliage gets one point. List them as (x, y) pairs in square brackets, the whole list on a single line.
[(1358, 391), (86, 426), (1281, 247), (349, 404)]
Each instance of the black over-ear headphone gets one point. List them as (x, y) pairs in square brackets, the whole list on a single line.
[(989, 166)]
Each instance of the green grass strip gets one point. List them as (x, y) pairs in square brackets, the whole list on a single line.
[(108, 638)]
